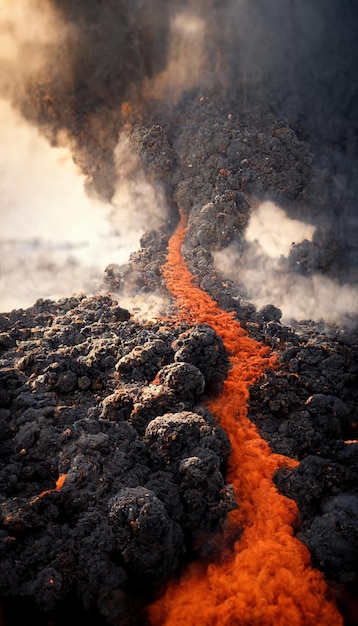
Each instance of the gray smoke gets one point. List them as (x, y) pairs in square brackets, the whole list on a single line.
[(70, 68)]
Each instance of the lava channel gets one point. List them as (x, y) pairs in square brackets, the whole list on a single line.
[(267, 579)]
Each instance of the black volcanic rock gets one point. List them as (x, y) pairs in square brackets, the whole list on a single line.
[(202, 347), (85, 387), (144, 362), (326, 493), (333, 538), (147, 540)]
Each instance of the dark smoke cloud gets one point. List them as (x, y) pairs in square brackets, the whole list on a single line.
[(302, 55), (108, 50), (297, 57)]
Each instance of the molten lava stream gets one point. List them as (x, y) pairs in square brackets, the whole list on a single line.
[(267, 579)]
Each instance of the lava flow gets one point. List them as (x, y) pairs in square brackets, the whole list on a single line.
[(268, 578)]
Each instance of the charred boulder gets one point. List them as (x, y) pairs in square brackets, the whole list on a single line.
[(204, 349), (144, 362), (332, 538), (193, 447), (147, 540)]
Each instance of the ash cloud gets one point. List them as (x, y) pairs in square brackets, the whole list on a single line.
[(270, 270), (31, 30), (85, 60), (65, 210), (96, 60), (56, 240), (300, 57)]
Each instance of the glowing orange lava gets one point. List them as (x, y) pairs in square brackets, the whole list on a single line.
[(267, 580), (59, 484)]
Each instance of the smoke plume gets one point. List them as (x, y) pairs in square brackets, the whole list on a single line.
[(84, 60), (55, 239), (268, 273), (82, 85)]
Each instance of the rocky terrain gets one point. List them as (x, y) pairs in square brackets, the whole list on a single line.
[(113, 470)]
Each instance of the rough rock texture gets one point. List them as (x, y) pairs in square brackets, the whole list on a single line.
[(113, 403), (307, 409), (90, 394), (215, 162)]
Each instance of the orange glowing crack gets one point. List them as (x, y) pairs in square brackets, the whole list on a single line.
[(267, 580), (59, 484)]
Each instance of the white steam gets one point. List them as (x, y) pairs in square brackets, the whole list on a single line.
[(54, 239), (275, 232), (260, 270), (28, 30), (186, 58), (145, 306)]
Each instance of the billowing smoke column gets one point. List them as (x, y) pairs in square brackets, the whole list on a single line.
[(88, 58), (91, 56), (300, 56), (70, 217)]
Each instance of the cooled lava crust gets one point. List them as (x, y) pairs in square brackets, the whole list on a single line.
[(144, 461)]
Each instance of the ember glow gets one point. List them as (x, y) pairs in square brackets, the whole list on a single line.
[(59, 484), (268, 578)]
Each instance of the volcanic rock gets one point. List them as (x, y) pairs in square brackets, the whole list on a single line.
[(103, 487)]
